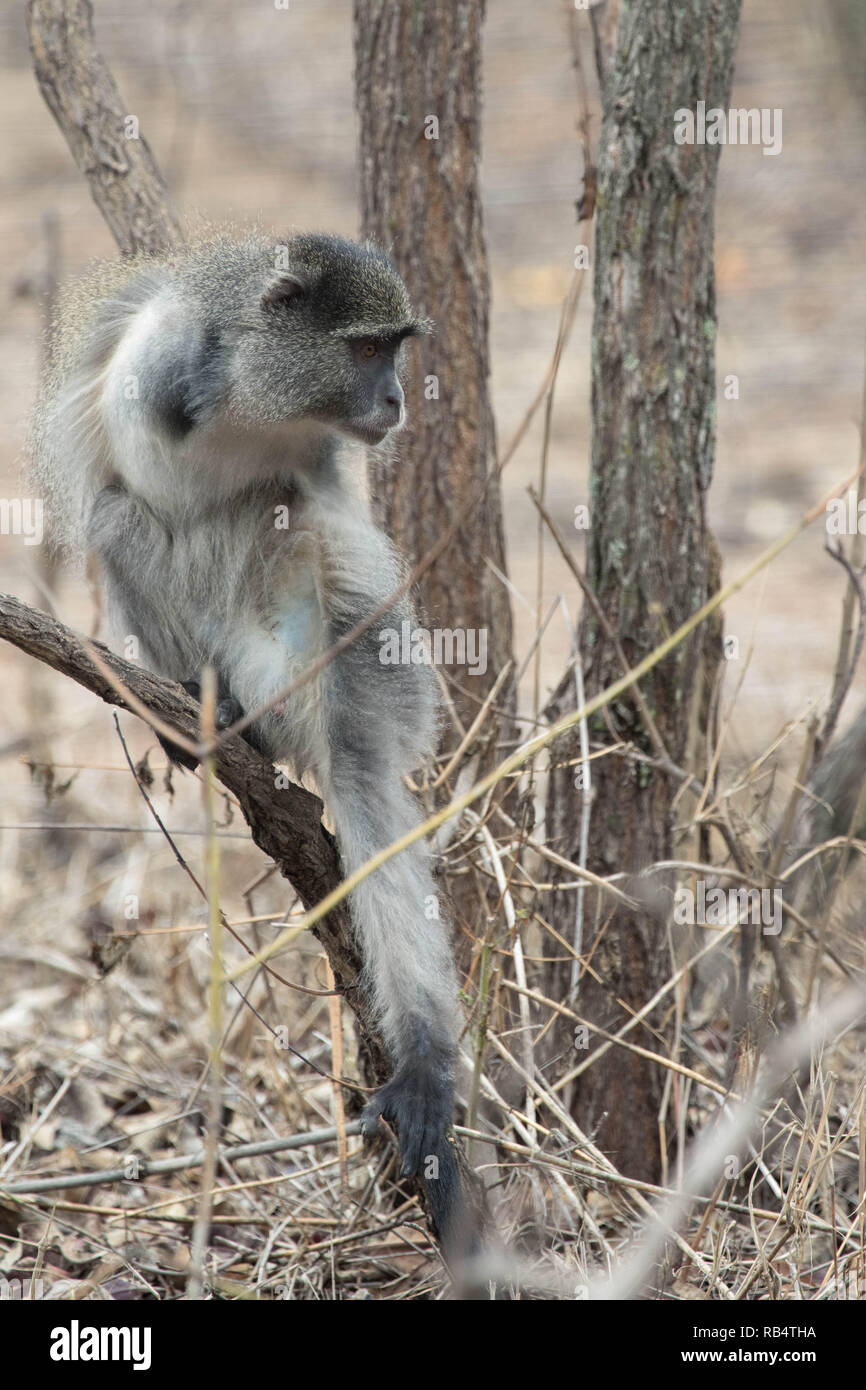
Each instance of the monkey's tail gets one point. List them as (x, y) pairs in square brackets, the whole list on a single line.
[(411, 981), (402, 931), (461, 1223), (448, 1208)]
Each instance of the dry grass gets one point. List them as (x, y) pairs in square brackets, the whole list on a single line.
[(106, 1063)]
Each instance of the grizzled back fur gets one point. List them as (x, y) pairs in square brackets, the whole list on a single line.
[(224, 303)]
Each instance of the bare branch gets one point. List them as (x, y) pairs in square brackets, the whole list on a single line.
[(81, 94), (285, 821), (100, 1176)]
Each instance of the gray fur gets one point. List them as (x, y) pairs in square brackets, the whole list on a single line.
[(204, 394)]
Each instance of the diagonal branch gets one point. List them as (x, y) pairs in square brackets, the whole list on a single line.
[(285, 821), (81, 94)]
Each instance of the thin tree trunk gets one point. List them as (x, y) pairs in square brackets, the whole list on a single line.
[(651, 559), (418, 92)]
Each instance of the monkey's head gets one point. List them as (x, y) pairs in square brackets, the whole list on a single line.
[(323, 339)]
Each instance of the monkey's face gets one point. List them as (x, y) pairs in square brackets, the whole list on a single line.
[(351, 385), (324, 341), (374, 403)]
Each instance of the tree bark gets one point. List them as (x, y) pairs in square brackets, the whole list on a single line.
[(604, 17), (651, 559), (82, 96), (418, 93)]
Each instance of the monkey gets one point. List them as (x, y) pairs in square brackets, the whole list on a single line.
[(196, 435)]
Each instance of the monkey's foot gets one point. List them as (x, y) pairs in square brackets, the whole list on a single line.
[(227, 712), (419, 1100)]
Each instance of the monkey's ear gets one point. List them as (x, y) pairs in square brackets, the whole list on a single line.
[(282, 290)]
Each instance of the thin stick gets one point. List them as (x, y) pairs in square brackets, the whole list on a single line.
[(472, 731), (844, 669), (101, 1177), (336, 1025), (201, 1225)]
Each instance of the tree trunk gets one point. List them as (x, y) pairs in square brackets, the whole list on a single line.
[(651, 559), (418, 92)]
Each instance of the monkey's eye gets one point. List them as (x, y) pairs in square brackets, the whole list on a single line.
[(369, 350)]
